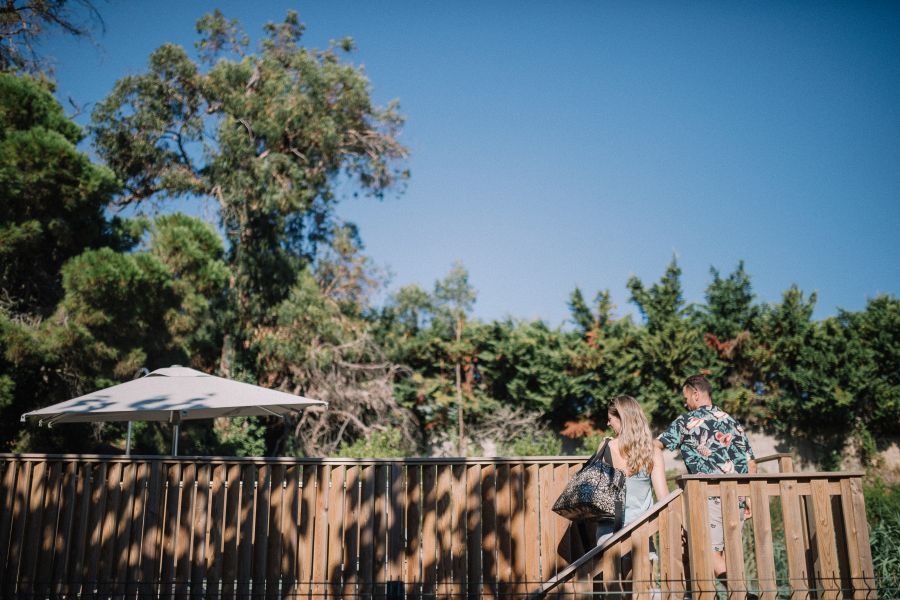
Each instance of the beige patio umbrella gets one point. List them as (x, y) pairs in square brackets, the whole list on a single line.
[(173, 394)]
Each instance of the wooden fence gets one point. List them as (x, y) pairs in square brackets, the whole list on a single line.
[(822, 538), (78, 526), (119, 527)]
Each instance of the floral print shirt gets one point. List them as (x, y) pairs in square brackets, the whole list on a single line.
[(710, 440)]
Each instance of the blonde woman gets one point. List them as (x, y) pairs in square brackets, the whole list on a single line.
[(633, 452)]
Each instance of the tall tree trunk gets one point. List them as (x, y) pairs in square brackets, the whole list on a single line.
[(461, 441)]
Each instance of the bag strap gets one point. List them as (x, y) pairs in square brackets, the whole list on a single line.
[(606, 452)]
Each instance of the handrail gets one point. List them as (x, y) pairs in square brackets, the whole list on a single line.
[(570, 570), (785, 463), (418, 460)]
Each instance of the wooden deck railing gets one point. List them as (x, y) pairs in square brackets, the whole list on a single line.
[(117, 527), (78, 526)]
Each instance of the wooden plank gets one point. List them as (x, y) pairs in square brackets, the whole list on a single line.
[(396, 506), (172, 509), (488, 530), (335, 529), (351, 533), (858, 585), (793, 537), (380, 520), (444, 531), (366, 530), (517, 528), (458, 537), (762, 541), (11, 496), (114, 500), (151, 543), (473, 531), (504, 539), (261, 529), (413, 575), (562, 528), (125, 520), (677, 548), (34, 522), (664, 549), (44, 568), (139, 540), (81, 534), (827, 575), (97, 519), (275, 535), (640, 561), (548, 547), (185, 530), (734, 543), (215, 529), (320, 533), (305, 529), (862, 537), (64, 540), (249, 479), (289, 537), (233, 490), (532, 540), (701, 573), (200, 524), (611, 567), (429, 530)]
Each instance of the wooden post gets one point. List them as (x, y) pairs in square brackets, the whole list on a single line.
[(701, 572)]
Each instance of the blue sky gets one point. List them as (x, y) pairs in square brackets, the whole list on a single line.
[(576, 143)]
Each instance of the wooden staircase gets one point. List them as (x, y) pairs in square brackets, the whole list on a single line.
[(822, 536)]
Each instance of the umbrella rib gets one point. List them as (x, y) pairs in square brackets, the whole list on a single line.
[(272, 411)]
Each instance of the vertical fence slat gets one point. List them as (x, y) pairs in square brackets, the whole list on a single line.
[(562, 548), (261, 529), (231, 531), (185, 530), (473, 530), (199, 531), (503, 529), (698, 538), (215, 530), (351, 533), (275, 518), (517, 527), (762, 540), (414, 530), (366, 530), (396, 520), (444, 575), (458, 539), (335, 529), (548, 548), (734, 546), (429, 529), (33, 524), (794, 540), (827, 575), (124, 519), (97, 518), (289, 530), (8, 515), (320, 533), (246, 531), (64, 540), (640, 561), (488, 530), (532, 540), (305, 530), (47, 535), (149, 551), (381, 527)]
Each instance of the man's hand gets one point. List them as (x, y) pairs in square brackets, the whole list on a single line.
[(747, 512)]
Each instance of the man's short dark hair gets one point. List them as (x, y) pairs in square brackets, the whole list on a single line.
[(699, 383)]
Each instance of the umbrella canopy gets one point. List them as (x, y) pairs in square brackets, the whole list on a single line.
[(173, 394)]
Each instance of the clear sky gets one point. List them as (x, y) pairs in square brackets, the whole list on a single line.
[(563, 144)]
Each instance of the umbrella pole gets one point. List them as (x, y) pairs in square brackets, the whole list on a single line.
[(175, 432), (128, 441)]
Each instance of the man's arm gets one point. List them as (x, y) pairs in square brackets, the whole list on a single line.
[(659, 445), (751, 466)]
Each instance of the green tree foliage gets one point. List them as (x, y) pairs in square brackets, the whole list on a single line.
[(266, 134), (51, 196)]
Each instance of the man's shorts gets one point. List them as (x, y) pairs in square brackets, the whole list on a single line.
[(716, 526)]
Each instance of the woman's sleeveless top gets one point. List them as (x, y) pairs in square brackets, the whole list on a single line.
[(638, 495)]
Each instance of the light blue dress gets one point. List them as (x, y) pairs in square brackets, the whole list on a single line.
[(638, 500)]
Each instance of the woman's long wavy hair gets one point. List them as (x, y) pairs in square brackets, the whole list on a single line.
[(635, 439)]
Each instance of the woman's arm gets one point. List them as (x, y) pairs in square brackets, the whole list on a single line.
[(658, 475)]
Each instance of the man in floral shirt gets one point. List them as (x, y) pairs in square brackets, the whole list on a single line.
[(711, 442)]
